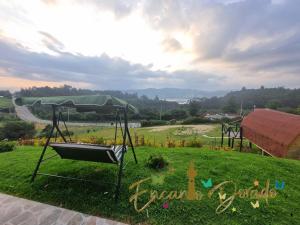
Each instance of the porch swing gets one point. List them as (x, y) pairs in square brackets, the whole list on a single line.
[(113, 154)]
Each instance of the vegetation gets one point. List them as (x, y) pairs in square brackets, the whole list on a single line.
[(150, 123), (156, 162), (7, 146), (16, 168), (13, 130), (155, 109), (276, 98), (5, 93), (5, 103)]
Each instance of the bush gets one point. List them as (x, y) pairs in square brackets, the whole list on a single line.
[(14, 130), (156, 162), (47, 129), (7, 146), (150, 123), (195, 120), (194, 143)]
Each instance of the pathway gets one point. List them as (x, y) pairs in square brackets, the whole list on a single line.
[(24, 114), (18, 211)]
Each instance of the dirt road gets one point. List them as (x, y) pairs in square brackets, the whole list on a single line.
[(24, 114)]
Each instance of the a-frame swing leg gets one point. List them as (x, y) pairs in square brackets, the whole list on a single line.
[(54, 125), (122, 157), (117, 193), (42, 155), (130, 141)]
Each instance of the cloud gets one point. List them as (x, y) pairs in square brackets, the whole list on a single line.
[(120, 8), (101, 72), (171, 44), (51, 42), (254, 37), (227, 43), (50, 2)]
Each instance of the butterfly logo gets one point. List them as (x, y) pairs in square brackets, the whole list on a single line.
[(222, 196), (166, 205), (255, 205), (278, 185), (207, 184)]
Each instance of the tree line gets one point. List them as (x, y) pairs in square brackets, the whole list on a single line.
[(160, 110)]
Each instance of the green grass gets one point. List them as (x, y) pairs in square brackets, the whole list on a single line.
[(16, 168), (5, 103)]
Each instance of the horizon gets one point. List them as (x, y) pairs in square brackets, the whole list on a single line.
[(138, 44), (150, 88)]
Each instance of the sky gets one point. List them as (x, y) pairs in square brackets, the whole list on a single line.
[(136, 44)]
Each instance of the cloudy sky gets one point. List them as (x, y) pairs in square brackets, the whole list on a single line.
[(118, 44)]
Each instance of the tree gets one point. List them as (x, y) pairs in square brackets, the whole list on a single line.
[(14, 130), (194, 107), (231, 106), (273, 104), (176, 114)]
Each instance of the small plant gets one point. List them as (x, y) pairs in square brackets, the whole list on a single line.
[(26, 142), (7, 146), (156, 162), (194, 143)]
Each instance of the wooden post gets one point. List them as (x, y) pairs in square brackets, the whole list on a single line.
[(222, 140), (229, 131), (241, 139)]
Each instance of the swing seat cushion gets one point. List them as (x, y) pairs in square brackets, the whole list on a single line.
[(89, 152)]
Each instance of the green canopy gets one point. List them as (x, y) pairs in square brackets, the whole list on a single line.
[(83, 103)]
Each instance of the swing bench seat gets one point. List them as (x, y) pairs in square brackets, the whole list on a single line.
[(89, 152)]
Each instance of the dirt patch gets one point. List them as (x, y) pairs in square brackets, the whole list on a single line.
[(184, 129)]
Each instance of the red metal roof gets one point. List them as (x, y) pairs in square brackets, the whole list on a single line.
[(271, 130)]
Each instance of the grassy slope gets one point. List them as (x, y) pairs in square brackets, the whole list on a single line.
[(16, 168)]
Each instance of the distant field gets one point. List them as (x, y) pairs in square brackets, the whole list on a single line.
[(5, 103), (154, 136), (158, 136)]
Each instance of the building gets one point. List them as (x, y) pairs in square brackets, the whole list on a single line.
[(276, 133)]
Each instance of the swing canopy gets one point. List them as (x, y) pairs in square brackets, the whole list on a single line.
[(83, 103)]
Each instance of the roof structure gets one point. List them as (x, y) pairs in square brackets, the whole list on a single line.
[(83, 103), (271, 130)]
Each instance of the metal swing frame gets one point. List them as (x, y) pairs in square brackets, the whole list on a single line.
[(125, 134)]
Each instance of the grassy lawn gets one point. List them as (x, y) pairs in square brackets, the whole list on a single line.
[(16, 168)]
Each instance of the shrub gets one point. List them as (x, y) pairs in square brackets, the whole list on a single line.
[(26, 142), (194, 143), (156, 162), (97, 140), (196, 120), (47, 129), (149, 123), (7, 146), (66, 134), (14, 130)]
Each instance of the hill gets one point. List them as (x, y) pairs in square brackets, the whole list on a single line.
[(175, 93)]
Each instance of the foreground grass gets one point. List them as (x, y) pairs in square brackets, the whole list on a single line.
[(16, 168)]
